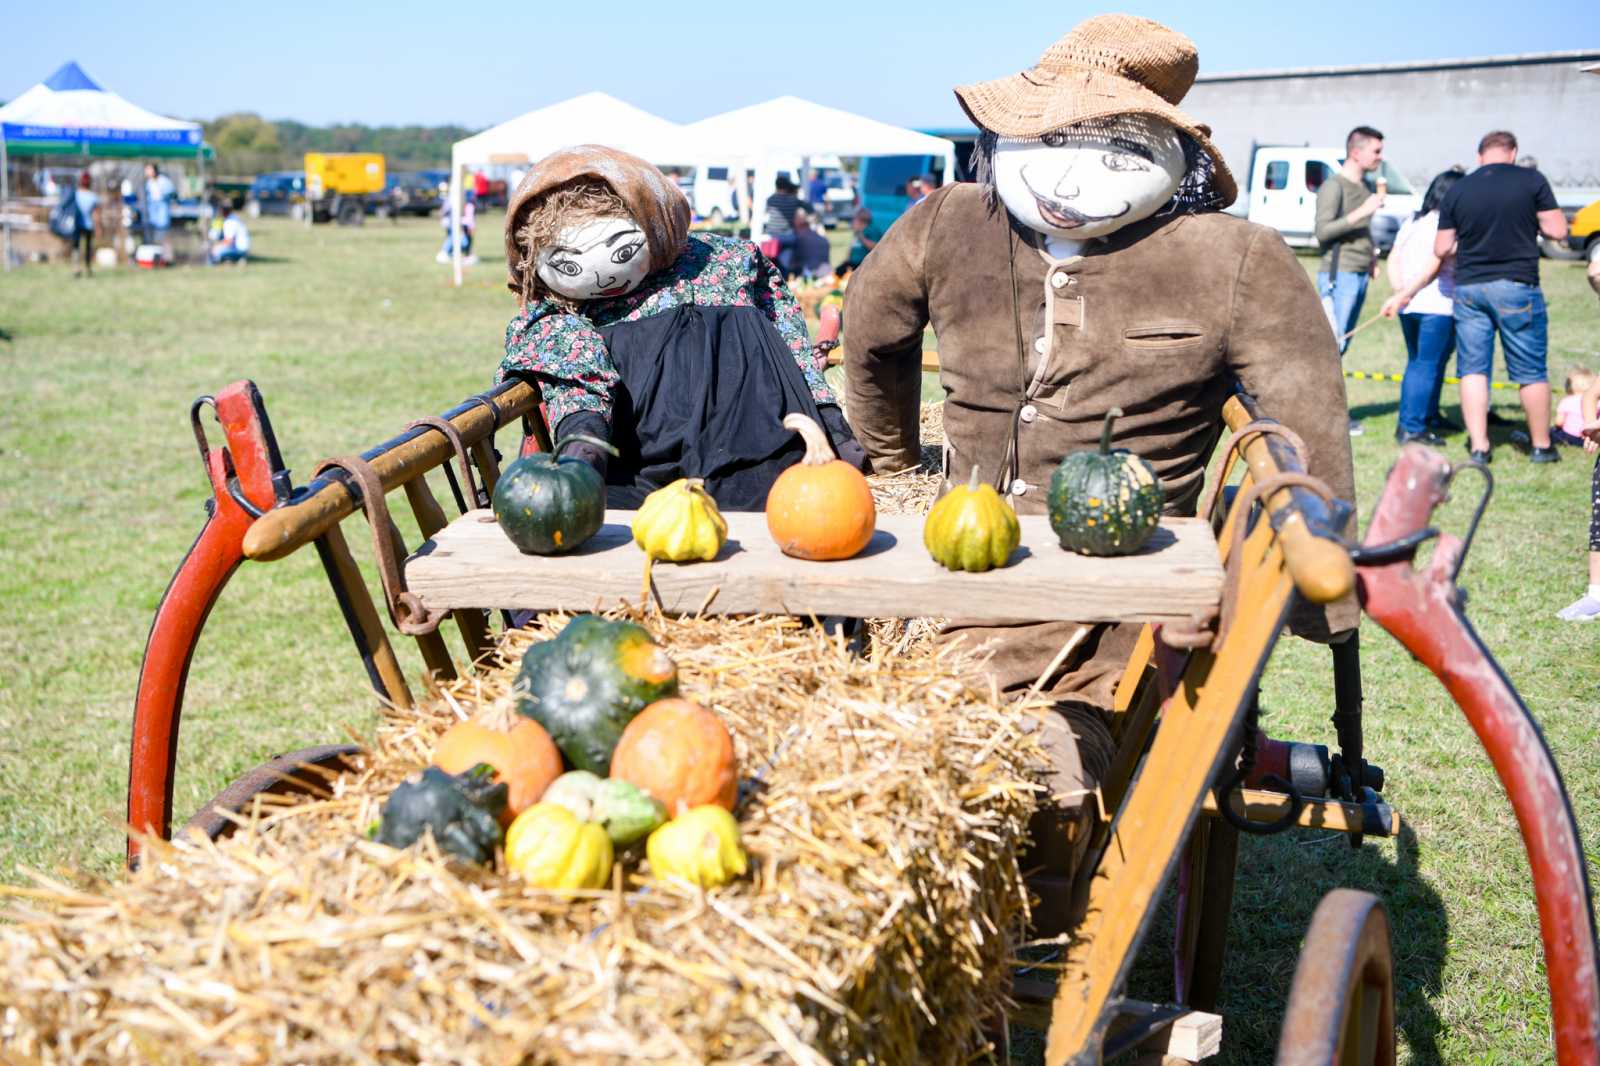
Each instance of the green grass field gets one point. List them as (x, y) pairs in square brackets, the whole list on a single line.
[(350, 333)]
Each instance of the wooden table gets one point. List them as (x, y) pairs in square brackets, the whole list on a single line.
[(471, 563)]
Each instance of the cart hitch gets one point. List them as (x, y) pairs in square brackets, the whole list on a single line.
[(1423, 610)]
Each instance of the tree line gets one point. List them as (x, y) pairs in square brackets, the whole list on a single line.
[(248, 144)]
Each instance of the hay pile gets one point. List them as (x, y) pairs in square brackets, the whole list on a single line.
[(890, 802)]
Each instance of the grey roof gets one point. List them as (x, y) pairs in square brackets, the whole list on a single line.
[(1587, 56)]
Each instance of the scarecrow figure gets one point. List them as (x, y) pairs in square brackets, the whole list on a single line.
[(683, 350), (1089, 267)]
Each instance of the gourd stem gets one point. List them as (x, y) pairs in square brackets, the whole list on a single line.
[(596, 441), (1105, 431), (818, 450), (972, 481)]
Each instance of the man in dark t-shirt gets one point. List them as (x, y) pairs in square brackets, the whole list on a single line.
[(1492, 220)]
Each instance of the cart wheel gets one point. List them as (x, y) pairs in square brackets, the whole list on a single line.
[(1341, 1006), (285, 775)]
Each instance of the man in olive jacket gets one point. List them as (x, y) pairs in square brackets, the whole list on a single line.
[(1041, 333)]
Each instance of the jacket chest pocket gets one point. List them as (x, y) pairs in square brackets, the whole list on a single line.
[(1172, 336)]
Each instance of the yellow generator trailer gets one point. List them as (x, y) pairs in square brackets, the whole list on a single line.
[(343, 186)]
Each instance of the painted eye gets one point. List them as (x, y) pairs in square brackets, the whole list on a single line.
[(1119, 162), (626, 252), (1055, 138), (566, 267)]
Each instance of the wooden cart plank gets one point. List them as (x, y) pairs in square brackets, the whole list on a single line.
[(472, 564)]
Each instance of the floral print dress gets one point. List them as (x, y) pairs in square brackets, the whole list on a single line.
[(691, 373)]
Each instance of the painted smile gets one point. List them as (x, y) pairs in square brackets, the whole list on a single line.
[(1059, 215), (618, 291)]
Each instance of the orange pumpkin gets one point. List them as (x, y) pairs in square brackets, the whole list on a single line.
[(521, 752), (822, 507), (681, 754)]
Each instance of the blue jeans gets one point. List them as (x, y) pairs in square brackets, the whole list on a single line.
[(1429, 341), (1515, 309), (1342, 297), (228, 255)]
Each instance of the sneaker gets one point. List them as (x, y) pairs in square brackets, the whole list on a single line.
[(1520, 438), (442, 257), (1547, 454), (1586, 609), (1427, 437), (1356, 428), (1485, 457)]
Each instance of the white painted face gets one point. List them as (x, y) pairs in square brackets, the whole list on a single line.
[(1090, 179), (596, 260)]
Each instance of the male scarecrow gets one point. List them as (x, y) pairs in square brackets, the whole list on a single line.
[(1089, 267)]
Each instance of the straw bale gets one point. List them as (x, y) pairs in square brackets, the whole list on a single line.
[(885, 802), (912, 491)]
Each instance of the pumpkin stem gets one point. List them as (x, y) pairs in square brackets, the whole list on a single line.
[(1105, 431), (818, 449), (972, 482), (596, 441)]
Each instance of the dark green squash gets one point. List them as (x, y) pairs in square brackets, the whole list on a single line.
[(587, 684), (548, 505), (462, 811), (1105, 502)]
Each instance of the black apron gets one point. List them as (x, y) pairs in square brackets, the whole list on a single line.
[(703, 394)]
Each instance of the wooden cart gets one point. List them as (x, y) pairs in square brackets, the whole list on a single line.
[(1191, 771)]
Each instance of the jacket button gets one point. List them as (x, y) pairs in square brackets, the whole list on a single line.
[(1058, 280), (1019, 487), (1028, 413), (1039, 345)]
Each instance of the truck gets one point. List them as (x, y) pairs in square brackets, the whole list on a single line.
[(1281, 192), (344, 186)]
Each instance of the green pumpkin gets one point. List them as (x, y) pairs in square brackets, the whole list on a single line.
[(462, 811), (548, 505), (971, 528), (587, 684), (1105, 502), (625, 811)]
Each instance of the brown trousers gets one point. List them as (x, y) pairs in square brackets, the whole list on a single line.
[(1077, 740)]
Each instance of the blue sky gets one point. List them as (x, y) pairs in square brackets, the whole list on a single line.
[(404, 62)]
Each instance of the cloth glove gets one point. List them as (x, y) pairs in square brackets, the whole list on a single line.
[(590, 424), (843, 438)]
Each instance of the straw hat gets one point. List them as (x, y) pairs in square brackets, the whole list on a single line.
[(1105, 66)]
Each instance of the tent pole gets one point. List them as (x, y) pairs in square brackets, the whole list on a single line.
[(5, 196), (455, 217)]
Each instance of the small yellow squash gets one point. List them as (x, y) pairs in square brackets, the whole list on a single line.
[(700, 846), (680, 523), (971, 528), (551, 848)]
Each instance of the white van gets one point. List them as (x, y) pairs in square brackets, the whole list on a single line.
[(1282, 193), (710, 188)]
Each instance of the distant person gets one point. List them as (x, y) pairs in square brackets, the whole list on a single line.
[(817, 191), (82, 213), (158, 196), (1568, 429), (781, 207), (234, 244), (1424, 294), (1492, 219), (469, 219), (927, 184), (1345, 207), (480, 185), (1587, 607), (810, 253), (864, 236), (914, 192)]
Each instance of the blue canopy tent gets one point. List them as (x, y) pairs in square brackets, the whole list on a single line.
[(70, 114)]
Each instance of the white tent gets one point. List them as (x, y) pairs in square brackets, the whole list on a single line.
[(593, 118), (789, 126), (70, 114)]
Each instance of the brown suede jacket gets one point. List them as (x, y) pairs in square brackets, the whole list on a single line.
[(1158, 319)]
